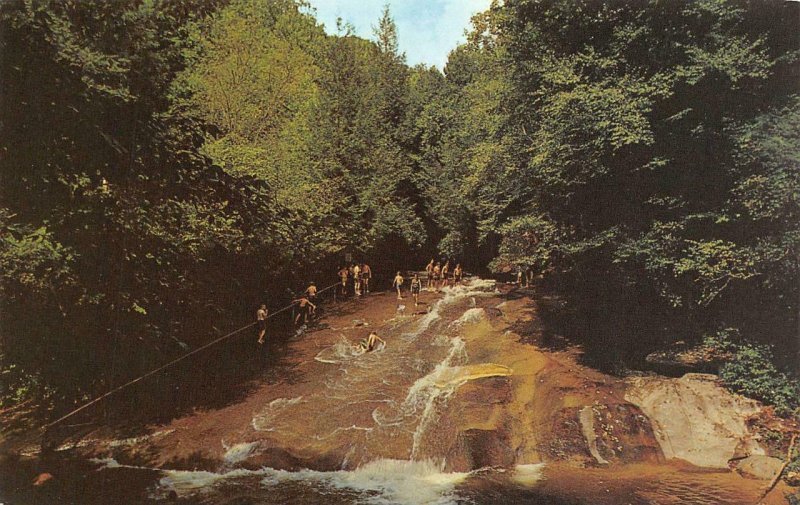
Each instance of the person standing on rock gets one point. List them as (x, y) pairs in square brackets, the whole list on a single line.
[(457, 274), (366, 274), (437, 272), (311, 293), (416, 285), (304, 309), (261, 320), (343, 278), (429, 272), (398, 283), (357, 279), (445, 272)]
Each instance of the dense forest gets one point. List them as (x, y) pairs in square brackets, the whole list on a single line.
[(169, 164)]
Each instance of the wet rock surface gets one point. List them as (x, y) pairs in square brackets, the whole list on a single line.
[(461, 402)]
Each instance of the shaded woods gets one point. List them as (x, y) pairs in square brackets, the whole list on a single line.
[(168, 165)]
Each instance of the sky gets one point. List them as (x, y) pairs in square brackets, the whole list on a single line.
[(427, 30)]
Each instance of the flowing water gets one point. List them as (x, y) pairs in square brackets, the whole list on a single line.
[(376, 427)]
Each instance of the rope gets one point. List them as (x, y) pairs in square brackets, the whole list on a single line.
[(167, 365)]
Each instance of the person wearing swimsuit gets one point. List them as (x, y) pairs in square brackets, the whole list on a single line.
[(372, 341), (311, 293), (416, 285), (304, 307), (366, 274), (398, 283), (357, 279), (343, 277), (261, 319), (429, 272)]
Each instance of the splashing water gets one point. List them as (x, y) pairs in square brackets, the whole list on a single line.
[(397, 482), (476, 287), (473, 315), (383, 481), (341, 351), (528, 475), (426, 373), (239, 452), (425, 392)]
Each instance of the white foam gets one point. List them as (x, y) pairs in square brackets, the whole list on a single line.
[(528, 475), (426, 391), (239, 452), (475, 287), (473, 315), (111, 463), (399, 482), (185, 482), (404, 482), (341, 351)]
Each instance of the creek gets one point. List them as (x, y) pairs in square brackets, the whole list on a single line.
[(453, 409)]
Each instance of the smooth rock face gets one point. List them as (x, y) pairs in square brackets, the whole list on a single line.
[(759, 467), (695, 418)]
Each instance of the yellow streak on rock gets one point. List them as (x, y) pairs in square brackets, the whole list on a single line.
[(460, 374)]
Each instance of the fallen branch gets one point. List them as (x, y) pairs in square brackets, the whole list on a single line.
[(780, 471)]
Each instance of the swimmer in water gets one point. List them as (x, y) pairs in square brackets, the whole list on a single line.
[(372, 342)]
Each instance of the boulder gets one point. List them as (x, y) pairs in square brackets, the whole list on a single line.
[(759, 467), (696, 419)]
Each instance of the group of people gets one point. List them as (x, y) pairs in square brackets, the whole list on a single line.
[(356, 275), (304, 308), (524, 276), (438, 276), (356, 279)]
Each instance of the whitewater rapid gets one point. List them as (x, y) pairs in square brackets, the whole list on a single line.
[(407, 384)]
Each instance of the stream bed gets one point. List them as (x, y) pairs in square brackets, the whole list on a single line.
[(452, 410)]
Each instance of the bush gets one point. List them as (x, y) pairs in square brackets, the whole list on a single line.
[(752, 372)]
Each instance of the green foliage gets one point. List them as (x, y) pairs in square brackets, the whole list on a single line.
[(163, 161), (751, 371), (653, 175), (166, 162), (31, 261)]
